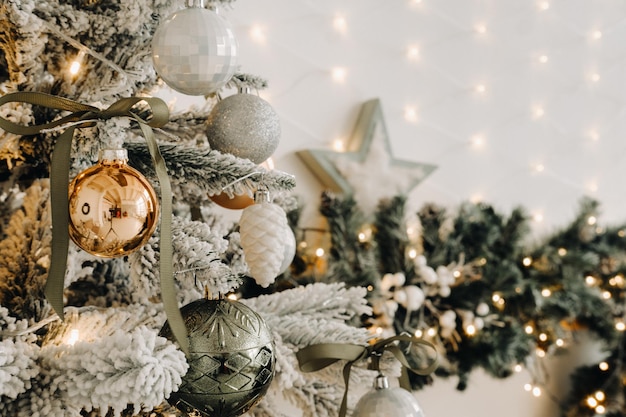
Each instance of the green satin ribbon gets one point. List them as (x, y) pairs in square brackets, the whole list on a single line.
[(316, 357), (83, 116)]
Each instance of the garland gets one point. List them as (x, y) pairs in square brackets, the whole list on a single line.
[(472, 284)]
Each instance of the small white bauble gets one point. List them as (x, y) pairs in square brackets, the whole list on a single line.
[(385, 401), (195, 51)]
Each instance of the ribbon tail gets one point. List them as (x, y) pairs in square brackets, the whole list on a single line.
[(59, 178), (168, 289)]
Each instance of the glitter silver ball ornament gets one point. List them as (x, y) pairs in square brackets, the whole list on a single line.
[(244, 125), (231, 359), (195, 51), (385, 401), (113, 209)]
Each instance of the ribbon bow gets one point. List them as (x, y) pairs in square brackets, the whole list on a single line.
[(83, 116), (316, 357)]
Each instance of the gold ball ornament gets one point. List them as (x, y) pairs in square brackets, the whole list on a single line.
[(244, 125), (231, 359), (113, 209), (236, 202)]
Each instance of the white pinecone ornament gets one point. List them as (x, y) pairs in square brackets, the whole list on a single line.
[(263, 229)]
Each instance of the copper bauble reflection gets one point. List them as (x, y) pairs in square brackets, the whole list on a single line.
[(236, 202), (113, 209), (231, 359)]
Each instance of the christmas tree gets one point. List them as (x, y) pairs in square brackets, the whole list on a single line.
[(87, 335)]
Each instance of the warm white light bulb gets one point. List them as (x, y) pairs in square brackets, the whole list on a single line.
[(538, 217), (592, 187), (537, 391), (546, 292), (413, 53), (339, 74), (480, 88), (543, 59), (410, 114), (476, 198), (527, 261), (604, 366), (596, 35), (480, 28), (74, 337), (600, 409), (340, 24), (257, 33), (74, 68), (478, 141), (595, 77), (339, 145), (319, 252), (538, 112)]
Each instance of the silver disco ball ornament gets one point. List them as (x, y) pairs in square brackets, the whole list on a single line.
[(194, 51), (244, 125), (385, 401), (231, 359)]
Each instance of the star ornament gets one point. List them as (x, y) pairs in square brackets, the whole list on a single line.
[(367, 170)]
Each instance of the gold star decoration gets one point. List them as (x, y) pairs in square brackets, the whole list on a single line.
[(367, 170)]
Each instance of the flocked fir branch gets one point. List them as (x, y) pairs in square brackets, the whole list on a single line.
[(25, 254)]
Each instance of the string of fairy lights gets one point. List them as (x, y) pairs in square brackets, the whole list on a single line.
[(481, 141)]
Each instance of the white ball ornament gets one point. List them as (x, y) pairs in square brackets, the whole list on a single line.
[(195, 51), (482, 309), (414, 297), (385, 401)]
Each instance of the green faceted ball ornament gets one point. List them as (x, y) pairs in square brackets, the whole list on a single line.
[(244, 125), (231, 359)]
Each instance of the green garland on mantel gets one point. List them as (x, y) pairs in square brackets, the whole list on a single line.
[(473, 283)]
